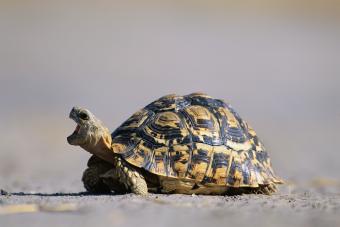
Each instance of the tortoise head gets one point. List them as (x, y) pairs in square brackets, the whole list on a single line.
[(89, 130)]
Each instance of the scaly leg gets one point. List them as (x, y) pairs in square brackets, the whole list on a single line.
[(94, 183), (128, 176)]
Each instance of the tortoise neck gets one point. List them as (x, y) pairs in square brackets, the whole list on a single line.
[(101, 148)]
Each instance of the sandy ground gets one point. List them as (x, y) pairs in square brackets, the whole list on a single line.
[(283, 209)]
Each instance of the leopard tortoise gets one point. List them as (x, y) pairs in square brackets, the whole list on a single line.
[(191, 144)]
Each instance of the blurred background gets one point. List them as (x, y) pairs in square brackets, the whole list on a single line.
[(277, 63)]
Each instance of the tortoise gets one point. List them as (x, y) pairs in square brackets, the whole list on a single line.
[(191, 144)]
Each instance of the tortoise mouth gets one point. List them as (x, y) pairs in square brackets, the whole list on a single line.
[(76, 131), (71, 139), (75, 137)]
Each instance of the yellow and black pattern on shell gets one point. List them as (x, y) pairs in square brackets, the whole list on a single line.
[(194, 137)]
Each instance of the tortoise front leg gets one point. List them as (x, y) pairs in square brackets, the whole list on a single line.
[(93, 180), (128, 176)]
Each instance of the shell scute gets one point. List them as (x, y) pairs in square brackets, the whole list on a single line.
[(165, 129), (180, 157), (200, 161), (203, 125)]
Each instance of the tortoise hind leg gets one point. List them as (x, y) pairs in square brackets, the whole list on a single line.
[(128, 176), (266, 189)]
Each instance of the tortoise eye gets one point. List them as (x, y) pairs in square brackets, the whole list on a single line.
[(83, 116)]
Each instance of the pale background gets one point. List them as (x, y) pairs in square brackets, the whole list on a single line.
[(278, 65)]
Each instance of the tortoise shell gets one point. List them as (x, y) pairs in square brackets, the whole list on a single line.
[(194, 137)]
